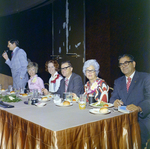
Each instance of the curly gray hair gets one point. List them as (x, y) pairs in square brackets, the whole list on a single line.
[(33, 64), (89, 63)]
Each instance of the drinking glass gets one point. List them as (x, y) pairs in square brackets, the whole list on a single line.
[(10, 88), (22, 90), (35, 93), (67, 96), (82, 101), (56, 96)]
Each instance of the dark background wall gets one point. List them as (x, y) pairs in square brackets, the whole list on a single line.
[(112, 28)]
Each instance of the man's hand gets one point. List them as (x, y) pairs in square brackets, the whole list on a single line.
[(133, 107), (117, 103), (5, 56)]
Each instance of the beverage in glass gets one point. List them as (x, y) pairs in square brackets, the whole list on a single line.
[(82, 101)]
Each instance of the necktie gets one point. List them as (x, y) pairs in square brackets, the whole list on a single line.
[(128, 83), (12, 54), (66, 85)]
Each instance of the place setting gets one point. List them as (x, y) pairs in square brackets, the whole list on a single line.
[(66, 101)]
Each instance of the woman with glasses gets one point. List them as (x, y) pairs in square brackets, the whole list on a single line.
[(52, 66), (95, 86)]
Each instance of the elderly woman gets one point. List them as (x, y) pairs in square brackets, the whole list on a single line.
[(95, 86), (54, 82), (34, 82)]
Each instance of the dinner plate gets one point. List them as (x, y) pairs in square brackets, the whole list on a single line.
[(24, 96), (45, 100), (11, 93), (61, 105), (40, 104), (95, 106), (3, 90), (96, 111)]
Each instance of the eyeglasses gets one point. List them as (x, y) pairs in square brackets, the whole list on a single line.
[(65, 68), (126, 63), (88, 71)]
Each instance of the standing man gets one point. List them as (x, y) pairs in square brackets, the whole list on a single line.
[(133, 91), (18, 64)]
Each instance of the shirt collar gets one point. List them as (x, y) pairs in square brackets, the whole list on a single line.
[(56, 73), (68, 78), (131, 76), (14, 49)]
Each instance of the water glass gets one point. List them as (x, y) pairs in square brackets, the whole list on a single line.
[(22, 90), (35, 93), (82, 101), (56, 96), (0, 87), (67, 96), (10, 88)]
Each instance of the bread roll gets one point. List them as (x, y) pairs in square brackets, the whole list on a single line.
[(66, 103), (2, 89), (24, 94), (105, 105), (12, 92), (103, 110), (73, 99), (44, 98)]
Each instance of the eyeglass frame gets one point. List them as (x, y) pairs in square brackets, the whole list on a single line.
[(126, 63), (90, 71), (65, 68)]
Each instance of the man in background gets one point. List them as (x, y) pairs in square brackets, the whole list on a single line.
[(18, 64), (133, 90)]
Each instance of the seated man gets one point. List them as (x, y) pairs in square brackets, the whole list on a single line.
[(71, 83), (133, 91)]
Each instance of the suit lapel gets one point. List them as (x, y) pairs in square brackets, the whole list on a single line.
[(15, 53), (70, 81), (123, 87)]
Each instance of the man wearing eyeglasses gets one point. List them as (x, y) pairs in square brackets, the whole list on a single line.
[(133, 91), (72, 82)]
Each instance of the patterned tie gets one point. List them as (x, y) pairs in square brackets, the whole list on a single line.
[(128, 83), (66, 85)]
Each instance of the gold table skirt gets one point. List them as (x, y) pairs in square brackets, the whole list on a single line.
[(120, 132)]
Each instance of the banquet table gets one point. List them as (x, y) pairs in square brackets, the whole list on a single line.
[(55, 127)]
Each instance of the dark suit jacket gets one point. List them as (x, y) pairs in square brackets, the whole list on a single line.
[(75, 85), (138, 94)]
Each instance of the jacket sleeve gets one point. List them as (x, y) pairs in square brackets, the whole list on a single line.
[(114, 94), (145, 103), (78, 85)]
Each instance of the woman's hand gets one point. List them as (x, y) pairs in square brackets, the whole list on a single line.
[(45, 91)]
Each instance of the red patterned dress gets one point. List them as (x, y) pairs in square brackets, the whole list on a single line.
[(99, 89)]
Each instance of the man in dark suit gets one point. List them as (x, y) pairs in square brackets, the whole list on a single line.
[(18, 64), (72, 82), (133, 91)]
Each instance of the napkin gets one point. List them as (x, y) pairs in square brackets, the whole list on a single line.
[(123, 109), (57, 101)]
